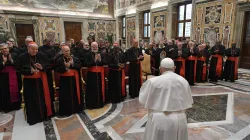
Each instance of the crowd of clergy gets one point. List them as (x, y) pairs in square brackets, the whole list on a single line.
[(81, 72)]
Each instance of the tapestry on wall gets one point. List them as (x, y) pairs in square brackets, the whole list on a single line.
[(213, 14), (158, 36), (211, 35), (91, 26), (159, 21), (49, 25), (93, 6)]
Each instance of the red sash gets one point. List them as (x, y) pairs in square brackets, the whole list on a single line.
[(123, 80), (235, 60), (101, 70), (13, 83), (193, 58), (43, 76), (72, 72), (219, 64), (204, 69), (182, 70)]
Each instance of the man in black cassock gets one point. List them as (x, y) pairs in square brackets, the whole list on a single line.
[(180, 55), (202, 61), (134, 56), (231, 64), (190, 67), (117, 87), (12, 47), (52, 53), (95, 84), (47, 47), (85, 51), (10, 84), (34, 65), (24, 48), (216, 62), (156, 51), (170, 50), (70, 92)]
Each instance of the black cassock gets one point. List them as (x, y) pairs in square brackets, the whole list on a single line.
[(33, 89), (170, 53), (178, 64), (230, 68), (216, 69), (52, 54), (68, 96), (134, 71), (156, 56), (115, 89), (200, 66), (10, 85), (94, 84), (190, 65)]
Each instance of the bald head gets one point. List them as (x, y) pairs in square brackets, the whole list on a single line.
[(94, 47), (32, 48), (135, 43), (28, 40), (66, 51)]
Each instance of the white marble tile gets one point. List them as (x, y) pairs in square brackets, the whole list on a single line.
[(241, 134), (23, 131), (100, 125), (1, 136), (85, 127), (113, 134), (55, 129)]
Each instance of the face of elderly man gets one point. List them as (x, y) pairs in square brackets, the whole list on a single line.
[(179, 45), (94, 47), (33, 49), (4, 49), (135, 43), (66, 51)]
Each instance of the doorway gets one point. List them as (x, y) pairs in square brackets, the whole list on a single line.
[(73, 30), (245, 49), (22, 31)]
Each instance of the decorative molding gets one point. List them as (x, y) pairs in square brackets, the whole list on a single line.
[(199, 15), (228, 12)]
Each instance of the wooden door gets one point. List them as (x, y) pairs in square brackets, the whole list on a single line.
[(73, 30), (22, 31), (245, 49)]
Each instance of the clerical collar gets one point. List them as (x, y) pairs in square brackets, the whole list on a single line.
[(169, 71)]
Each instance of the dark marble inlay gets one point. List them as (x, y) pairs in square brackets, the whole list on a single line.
[(208, 108), (112, 109), (235, 85), (49, 130), (144, 125), (92, 128), (247, 138)]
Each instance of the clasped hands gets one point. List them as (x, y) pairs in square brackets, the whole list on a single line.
[(140, 57), (5, 59), (97, 57), (67, 64), (38, 67)]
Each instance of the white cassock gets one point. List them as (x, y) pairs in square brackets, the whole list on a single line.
[(166, 97)]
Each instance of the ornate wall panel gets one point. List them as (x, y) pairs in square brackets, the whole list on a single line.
[(49, 28), (4, 28), (199, 13), (215, 21), (228, 12), (130, 30), (100, 29), (158, 25)]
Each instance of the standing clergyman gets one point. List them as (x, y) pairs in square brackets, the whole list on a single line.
[(166, 97)]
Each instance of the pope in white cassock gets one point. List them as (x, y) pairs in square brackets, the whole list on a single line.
[(166, 97)]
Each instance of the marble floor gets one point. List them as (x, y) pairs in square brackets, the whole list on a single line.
[(221, 111)]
